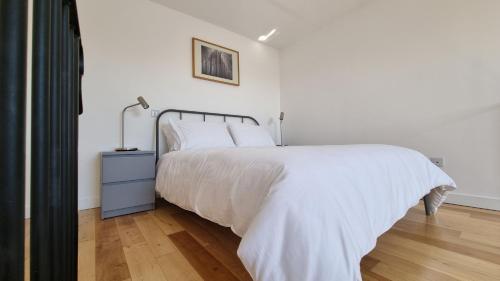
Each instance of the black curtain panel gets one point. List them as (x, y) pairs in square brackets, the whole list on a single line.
[(13, 40), (57, 69), (40, 142), (56, 104)]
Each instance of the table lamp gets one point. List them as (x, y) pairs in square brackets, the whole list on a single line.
[(142, 102)]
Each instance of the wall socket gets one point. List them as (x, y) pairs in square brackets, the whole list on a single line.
[(154, 113), (438, 161)]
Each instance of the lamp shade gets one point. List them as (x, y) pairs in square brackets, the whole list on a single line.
[(143, 102)]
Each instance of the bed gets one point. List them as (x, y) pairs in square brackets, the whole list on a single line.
[(303, 212)]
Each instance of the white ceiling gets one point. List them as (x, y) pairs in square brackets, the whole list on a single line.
[(292, 18)]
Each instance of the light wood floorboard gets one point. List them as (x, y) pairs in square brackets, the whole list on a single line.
[(459, 243)]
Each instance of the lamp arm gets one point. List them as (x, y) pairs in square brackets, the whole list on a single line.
[(123, 122)]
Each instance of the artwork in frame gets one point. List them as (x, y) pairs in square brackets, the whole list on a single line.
[(215, 63)]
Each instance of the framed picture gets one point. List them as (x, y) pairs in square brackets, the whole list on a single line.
[(215, 63)]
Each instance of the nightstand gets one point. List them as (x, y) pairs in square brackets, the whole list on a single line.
[(127, 182)]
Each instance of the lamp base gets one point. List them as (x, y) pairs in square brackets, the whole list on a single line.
[(126, 149)]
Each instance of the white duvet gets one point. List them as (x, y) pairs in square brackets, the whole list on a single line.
[(306, 212)]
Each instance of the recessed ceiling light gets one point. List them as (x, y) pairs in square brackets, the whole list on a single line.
[(263, 38)]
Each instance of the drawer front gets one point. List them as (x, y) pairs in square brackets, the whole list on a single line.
[(125, 195), (125, 168)]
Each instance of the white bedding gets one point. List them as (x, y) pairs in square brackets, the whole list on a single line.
[(306, 212)]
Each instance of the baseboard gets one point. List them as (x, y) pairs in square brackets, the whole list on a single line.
[(83, 204), (485, 202), (88, 203)]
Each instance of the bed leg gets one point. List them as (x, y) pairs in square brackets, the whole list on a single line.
[(427, 205)]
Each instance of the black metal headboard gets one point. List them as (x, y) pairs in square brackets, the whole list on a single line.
[(204, 114)]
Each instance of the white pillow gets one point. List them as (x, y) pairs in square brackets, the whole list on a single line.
[(250, 135), (173, 142), (186, 135)]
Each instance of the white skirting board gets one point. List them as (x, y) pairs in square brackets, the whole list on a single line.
[(88, 203), (485, 202), (83, 204)]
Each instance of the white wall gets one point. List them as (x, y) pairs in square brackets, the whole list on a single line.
[(137, 47), (423, 74)]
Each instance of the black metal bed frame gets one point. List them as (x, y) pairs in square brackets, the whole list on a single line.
[(204, 114), (224, 115)]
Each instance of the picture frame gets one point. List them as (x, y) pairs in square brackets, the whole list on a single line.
[(215, 63)]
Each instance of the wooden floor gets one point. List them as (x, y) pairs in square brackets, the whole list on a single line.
[(172, 244)]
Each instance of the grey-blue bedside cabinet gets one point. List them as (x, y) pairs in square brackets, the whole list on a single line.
[(127, 182)]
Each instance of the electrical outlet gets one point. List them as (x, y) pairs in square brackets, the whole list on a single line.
[(438, 161), (154, 113)]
